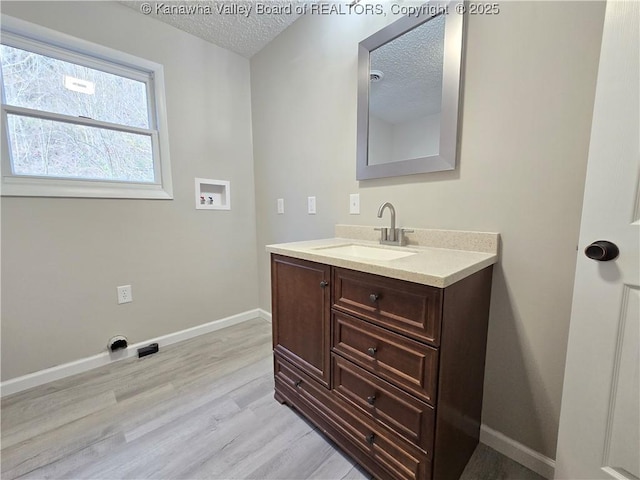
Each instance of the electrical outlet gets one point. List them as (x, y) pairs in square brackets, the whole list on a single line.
[(280, 203), (354, 204), (124, 294), (311, 205)]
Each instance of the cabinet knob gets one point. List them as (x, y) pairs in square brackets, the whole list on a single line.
[(372, 351), (323, 284), (298, 383), (374, 297), (371, 399), (602, 251), (371, 438)]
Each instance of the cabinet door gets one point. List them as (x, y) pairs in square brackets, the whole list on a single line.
[(300, 297)]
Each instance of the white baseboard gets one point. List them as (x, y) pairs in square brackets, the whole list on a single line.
[(264, 315), (518, 452), (41, 377)]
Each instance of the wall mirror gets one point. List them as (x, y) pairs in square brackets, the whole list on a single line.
[(409, 82)]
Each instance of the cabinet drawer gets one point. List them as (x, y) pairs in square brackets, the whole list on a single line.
[(397, 457), (384, 402), (408, 364), (408, 308)]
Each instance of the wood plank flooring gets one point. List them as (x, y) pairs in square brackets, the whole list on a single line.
[(202, 408)]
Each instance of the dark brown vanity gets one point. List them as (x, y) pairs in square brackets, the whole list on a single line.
[(390, 370)]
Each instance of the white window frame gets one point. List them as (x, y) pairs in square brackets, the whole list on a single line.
[(27, 36)]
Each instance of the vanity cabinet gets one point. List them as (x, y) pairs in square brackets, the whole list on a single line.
[(392, 371)]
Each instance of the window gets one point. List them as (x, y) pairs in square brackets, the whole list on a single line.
[(78, 119)]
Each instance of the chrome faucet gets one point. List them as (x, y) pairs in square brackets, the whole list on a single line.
[(388, 235), (392, 235)]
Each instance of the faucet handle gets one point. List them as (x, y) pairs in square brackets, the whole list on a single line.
[(384, 233), (401, 232)]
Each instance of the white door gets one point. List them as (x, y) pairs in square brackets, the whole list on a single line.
[(599, 418)]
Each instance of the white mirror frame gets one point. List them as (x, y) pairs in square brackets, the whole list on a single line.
[(451, 89)]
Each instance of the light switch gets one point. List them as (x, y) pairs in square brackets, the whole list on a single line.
[(280, 203), (354, 204), (311, 205)]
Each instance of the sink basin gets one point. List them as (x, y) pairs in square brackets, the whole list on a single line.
[(367, 252)]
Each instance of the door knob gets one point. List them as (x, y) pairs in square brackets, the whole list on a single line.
[(602, 251)]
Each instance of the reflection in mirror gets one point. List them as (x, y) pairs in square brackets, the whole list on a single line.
[(405, 95), (408, 95)]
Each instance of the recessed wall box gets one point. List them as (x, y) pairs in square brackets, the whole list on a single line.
[(213, 194)]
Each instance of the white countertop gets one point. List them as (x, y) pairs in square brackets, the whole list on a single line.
[(429, 265)]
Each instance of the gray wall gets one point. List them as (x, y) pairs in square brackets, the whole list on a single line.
[(63, 258), (528, 99)]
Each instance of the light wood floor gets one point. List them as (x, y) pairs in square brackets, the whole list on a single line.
[(202, 408)]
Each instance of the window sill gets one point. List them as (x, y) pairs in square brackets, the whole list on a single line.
[(33, 187)]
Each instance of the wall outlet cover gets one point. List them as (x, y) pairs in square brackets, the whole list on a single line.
[(124, 294)]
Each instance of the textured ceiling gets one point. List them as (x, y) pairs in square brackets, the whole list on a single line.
[(232, 28), (412, 63), (412, 66)]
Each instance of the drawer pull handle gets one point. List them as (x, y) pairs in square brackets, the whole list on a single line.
[(371, 400), (374, 297), (372, 351), (371, 438), (324, 284), (298, 383)]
